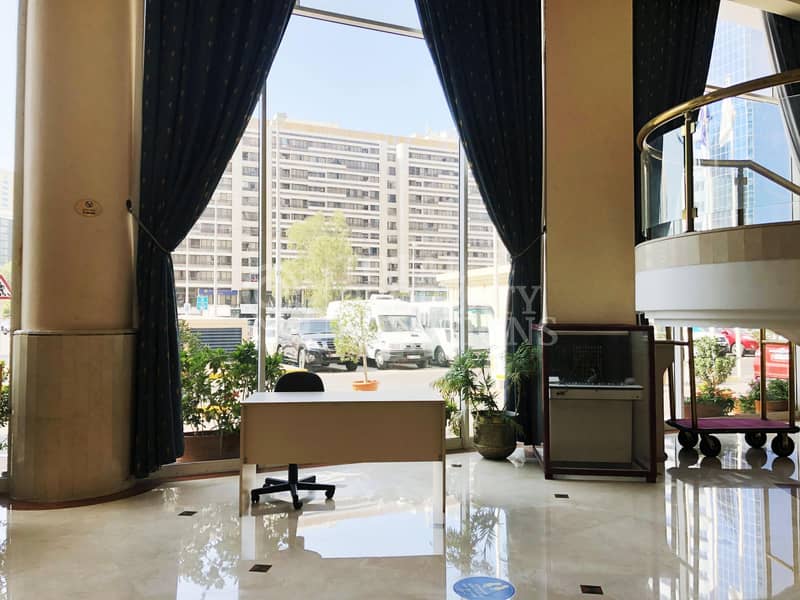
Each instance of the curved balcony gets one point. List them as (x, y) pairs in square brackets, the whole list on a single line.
[(721, 211)]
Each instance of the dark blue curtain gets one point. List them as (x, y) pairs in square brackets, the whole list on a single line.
[(784, 41), (205, 62), (489, 59), (672, 43)]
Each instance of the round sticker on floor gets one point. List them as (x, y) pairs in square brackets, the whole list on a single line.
[(484, 588)]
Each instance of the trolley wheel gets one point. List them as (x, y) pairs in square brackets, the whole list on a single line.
[(756, 457), (329, 494), (687, 439), (755, 439), (687, 457), (710, 445), (710, 463), (297, 503), (782, 444), (783, 466)]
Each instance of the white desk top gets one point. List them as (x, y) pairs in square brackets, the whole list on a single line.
[(395, 395)]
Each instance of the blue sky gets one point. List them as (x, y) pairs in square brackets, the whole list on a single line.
[(323, 72), (8, 79), (356, 78)]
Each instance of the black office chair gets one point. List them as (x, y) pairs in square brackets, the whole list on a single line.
[(297, 381)]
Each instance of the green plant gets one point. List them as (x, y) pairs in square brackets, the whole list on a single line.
[(716, 397), (354, 330), (712, 363), (453, 416), (712, 367), (5, 400), (521, 366), (214, 382), (777, 391), (197, 389), (468, 380), (273, 369), (324, 258), (747, 402)]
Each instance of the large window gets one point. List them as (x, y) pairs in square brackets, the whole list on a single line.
[(364, 203), (8, 82)]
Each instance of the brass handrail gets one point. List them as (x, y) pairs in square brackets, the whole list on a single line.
[(732, 91), (753, 166)]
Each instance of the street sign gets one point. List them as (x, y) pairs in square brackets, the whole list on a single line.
[(202, 303), (5, 289)]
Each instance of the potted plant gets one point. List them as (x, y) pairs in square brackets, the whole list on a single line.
[(777, 396), (469, 380), (5, 400), (354, 330), (521, 366), (712, 367), (746, 403), (714, 402), (452, 414), (213, 384)]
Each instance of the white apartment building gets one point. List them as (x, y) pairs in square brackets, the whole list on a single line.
[(399, 196), (6, 216)]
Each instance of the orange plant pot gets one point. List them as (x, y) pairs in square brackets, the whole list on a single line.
[(365, 386)]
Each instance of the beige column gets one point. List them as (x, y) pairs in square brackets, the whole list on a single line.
[(73, 351), (589, 161)]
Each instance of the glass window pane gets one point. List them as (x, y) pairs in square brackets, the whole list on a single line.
[(396, 12), (8, 82), (371, 172)]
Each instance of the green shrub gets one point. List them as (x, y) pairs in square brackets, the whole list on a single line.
[(716, 397), (712, 363), (777, 391), (214, 382)]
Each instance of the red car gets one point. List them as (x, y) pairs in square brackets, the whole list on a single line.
[(749, 343), (777, 361)]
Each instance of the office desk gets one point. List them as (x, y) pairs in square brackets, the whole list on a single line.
[(279, 428)]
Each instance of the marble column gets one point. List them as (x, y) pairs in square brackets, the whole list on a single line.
[(73, 349)]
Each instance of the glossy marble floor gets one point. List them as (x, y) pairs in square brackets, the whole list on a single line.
[(725, 528)]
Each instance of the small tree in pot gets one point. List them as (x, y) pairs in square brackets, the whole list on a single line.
[(468, 379), (354, 331), (712, 366)]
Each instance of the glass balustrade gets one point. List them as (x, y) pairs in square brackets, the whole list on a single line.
[(742, 166)]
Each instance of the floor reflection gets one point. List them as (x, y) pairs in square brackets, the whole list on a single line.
[(733, 523), (718, 528), (207, 560)]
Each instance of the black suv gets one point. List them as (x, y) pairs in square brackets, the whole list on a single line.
[(309, 344)]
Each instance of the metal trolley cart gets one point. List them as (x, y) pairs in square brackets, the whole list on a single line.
[(755, 429)]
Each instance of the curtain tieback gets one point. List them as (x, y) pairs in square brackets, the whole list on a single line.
[(529, 246), (129, 206)]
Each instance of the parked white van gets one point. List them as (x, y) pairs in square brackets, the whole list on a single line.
[(440, 321), (401, 339)]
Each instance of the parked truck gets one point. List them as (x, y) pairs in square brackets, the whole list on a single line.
[(401, 339), (441, 323)]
